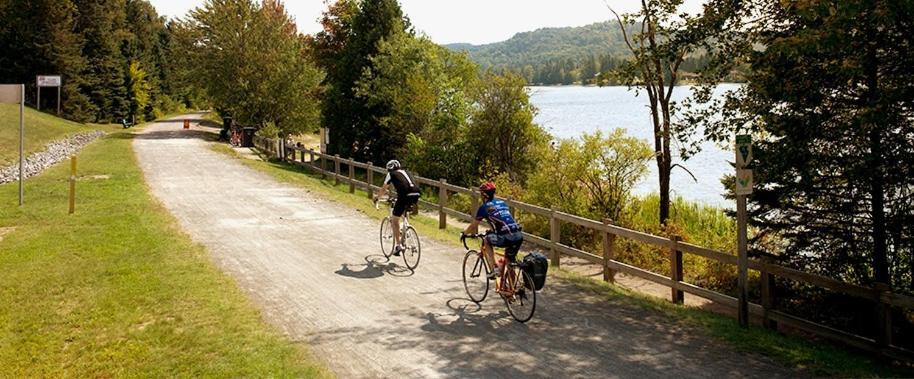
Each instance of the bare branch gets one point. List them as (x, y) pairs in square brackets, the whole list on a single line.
[(684, 169)]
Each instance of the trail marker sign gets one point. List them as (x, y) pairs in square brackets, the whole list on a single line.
[(743, 182), (743, 151)]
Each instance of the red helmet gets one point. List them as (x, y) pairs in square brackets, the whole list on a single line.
[(487, 188)]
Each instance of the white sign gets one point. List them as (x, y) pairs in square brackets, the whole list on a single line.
[(743, 182), (48, 81), (10, 93)]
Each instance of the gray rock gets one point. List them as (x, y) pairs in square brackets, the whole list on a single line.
[(54, 152)]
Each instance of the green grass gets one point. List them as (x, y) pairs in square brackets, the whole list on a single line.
[(818, 359), (40, 128), (117, 289)]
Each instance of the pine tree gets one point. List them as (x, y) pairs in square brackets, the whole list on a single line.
[(38, 38), (351, 34), (101, 24)]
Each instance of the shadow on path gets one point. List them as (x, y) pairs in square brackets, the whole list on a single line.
[(375, 266)]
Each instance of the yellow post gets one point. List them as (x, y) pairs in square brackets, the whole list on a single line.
[(72, 184)]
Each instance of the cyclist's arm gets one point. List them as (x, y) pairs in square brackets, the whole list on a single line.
[(385, 187), (382, 190), (473, 228), (474, 225)]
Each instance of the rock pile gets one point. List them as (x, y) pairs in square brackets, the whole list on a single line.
[(55, 152)]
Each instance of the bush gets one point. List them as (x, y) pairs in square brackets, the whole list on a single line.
[(269, 130)]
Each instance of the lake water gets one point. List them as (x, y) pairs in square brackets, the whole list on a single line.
[(570, 111)]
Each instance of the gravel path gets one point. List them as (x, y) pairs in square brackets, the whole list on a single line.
[(314, 269)]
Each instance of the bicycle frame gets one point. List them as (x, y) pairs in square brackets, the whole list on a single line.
[(404, 220), (509, 270)]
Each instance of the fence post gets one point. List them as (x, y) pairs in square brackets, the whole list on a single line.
[(351, 176), (310, 156), (323, 166), (336, 162), (676, 295), (370, 180), (555, 235), (474, 202), (767, 295), (442, 202), (883, 317), (609, 241)]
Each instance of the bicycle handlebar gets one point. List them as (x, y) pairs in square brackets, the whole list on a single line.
[(463, 238)]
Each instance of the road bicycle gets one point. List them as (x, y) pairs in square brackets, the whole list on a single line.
[(409, 238), (515, 286)]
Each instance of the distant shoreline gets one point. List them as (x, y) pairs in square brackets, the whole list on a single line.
[(617, 85)]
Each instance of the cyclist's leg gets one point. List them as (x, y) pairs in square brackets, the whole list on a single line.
[(490, 254), (399, 209)]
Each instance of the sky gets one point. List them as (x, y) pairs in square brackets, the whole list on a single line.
[(450, 21)]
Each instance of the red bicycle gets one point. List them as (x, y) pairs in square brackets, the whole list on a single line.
[(515, 286)]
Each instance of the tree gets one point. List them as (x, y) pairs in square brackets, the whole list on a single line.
[(139, 89), (351, 36), (38, 37), (659, 39), (830, 101), (654, 67), (101, 24), (501, 132), (427, 90), (143, 44), (254, 64)]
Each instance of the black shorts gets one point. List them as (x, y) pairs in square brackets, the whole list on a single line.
[(404, 202)]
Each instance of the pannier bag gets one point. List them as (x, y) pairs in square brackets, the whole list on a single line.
[(535, 264)]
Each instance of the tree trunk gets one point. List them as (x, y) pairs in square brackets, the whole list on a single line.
[(876, 161)]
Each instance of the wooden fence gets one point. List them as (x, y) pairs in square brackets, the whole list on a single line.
[(882, 296)]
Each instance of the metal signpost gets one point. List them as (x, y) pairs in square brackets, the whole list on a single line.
[(743, 189), (13, 94), (48, 81)]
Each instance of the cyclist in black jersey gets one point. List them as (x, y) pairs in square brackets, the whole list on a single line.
[(407, 196)]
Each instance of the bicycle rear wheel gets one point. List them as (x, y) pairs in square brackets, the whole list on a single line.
[(523, 303), (475, 280), (387, 237), (413, 249)]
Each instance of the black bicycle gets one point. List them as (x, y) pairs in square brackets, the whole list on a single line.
[(515, 286)]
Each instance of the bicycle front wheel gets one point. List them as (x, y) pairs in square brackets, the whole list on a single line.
[(387, 237), (522, 303), (413, 249), (475, 278)]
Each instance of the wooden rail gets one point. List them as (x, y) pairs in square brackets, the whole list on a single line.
[(882, 296)]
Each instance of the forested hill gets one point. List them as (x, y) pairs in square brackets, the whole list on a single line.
[(531, 48), (553, 55), (559, 55)]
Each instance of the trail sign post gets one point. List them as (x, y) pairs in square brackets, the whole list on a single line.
[(13, 94), (48, 81), (743, 188)]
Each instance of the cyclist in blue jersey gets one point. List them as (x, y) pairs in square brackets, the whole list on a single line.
[(504, 230)]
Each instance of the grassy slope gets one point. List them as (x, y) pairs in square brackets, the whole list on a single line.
[(117, 289), (40, 128), (817, 359)]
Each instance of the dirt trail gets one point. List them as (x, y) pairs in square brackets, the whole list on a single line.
[(314, 269)]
